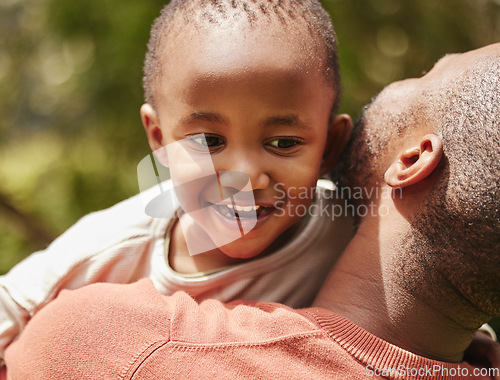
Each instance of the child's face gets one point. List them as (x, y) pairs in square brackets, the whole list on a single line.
[(264, 110)]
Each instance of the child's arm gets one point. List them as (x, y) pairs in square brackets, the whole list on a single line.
[(113, 245), (12, 319)]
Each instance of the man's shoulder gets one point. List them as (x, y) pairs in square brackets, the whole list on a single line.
[(137, 332), (107, 321), (208, 321), (140, 310)]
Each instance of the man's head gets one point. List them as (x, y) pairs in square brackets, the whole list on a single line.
[(255, 83), (438, 139)]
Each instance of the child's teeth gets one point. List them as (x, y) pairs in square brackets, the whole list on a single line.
[(243, 208)]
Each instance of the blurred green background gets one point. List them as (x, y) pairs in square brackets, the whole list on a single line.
[(70, 92)]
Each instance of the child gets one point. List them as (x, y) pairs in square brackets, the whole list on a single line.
[(255, 85)]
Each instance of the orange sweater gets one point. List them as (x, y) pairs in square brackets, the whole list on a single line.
[(106, 331)]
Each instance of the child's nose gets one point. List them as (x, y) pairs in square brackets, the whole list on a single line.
[(251, 167)]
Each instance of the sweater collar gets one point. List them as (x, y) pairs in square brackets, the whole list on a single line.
[(381, 357)]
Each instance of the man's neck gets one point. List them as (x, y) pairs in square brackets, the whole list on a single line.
[(364, 288)]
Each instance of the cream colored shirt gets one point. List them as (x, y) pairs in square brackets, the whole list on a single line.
[(122, 245)]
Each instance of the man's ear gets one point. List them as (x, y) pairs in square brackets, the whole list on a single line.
[(151, 124), (416, 163), (339, 133)]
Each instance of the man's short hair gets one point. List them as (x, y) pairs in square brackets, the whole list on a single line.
[(195, 13)]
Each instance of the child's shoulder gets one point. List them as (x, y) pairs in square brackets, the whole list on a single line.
[(121, 215), (324, 185), (326, 191), (122, 221), (333, 209)]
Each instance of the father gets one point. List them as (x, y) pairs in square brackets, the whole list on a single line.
[(418, 279)]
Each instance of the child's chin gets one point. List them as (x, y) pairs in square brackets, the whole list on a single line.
[(239, 251)]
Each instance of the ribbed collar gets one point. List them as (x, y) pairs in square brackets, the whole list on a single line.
[(375, 353)]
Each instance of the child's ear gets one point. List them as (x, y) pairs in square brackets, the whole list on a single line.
[(339, 133), (151, 124), (416, 163)]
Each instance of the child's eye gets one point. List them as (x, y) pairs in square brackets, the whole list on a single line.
[(284, 143), (213, 141), (208, 141)]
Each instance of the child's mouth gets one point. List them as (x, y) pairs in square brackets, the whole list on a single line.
[(243, 212)]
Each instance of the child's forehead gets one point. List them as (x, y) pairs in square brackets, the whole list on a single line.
[(296, 31), (232, 57), (232, 31), (236, 43)]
